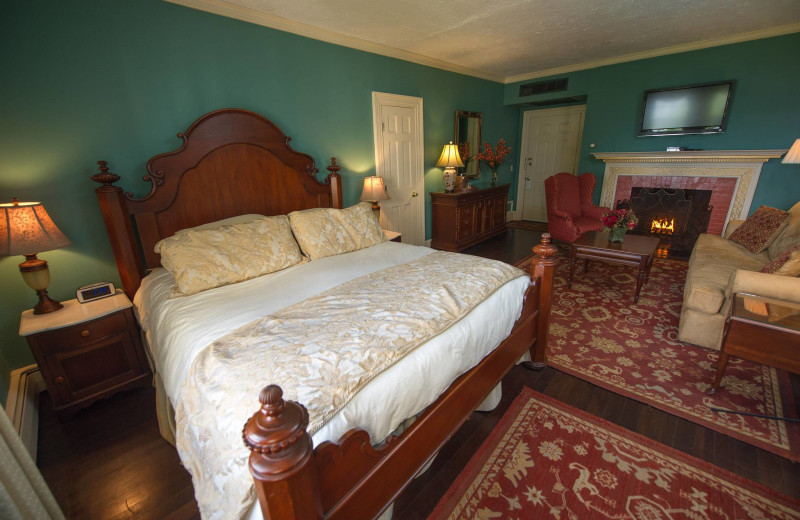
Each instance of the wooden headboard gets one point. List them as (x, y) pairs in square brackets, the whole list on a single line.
[(232, 162)]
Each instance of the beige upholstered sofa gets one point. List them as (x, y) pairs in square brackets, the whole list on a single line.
[(719, 267)]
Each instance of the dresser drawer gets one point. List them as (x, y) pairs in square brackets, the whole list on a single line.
[(76, 336)]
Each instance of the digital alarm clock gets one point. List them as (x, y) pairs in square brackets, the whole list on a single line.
[(95, 291)]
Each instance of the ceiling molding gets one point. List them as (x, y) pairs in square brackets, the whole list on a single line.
[(675, 49), (244, 14)]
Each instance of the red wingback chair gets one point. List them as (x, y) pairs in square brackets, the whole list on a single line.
[(570, 211)]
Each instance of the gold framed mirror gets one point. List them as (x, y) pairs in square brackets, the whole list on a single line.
[(468, 130)]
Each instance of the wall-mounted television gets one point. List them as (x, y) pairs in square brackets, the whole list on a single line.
[(696, 109)]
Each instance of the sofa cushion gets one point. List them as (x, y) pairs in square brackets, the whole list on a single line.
[(714, 259), (761, 228), (785, 264), (789, 236)]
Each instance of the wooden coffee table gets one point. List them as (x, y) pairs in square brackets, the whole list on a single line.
[(634, 250)]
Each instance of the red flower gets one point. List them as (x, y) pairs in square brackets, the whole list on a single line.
[(620, 218), (493, 158)]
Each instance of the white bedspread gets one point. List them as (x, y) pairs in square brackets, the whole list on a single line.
[(178, 329)]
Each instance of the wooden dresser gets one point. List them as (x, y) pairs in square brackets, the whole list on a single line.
[(461, 220)]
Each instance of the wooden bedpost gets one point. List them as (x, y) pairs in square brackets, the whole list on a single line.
[(120, 232), (335, 181), (543, 268), (282, 459)]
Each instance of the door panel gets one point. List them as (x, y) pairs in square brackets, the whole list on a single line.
[(551, 143), (398, 138)]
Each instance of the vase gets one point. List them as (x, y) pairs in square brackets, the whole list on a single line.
[(494, 177), (617, 234)]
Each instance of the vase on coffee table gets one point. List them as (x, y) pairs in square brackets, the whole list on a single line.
[(617, 234)]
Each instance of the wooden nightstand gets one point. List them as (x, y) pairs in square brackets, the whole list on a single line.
[(392, 236), (87, 351)]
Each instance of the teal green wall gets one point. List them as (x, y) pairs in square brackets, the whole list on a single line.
[(765, 110), (116, 80)]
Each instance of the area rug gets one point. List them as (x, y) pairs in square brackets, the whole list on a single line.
[(598, 334), (545, 459)]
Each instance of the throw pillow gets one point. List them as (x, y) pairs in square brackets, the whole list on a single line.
[(760, 229), (785, 264)]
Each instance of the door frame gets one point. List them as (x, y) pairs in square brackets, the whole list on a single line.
[(379, 99), (523, 149)]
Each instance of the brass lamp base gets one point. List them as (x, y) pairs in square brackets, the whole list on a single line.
[(36, 274)]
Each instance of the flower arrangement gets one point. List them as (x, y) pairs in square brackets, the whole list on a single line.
[(620, 218), (494, 158), (619, 221)]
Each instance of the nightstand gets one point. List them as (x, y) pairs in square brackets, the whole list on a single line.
[(87, 351), (392, 236)]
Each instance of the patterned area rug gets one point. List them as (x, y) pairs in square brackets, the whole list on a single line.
[(545, 459), (599, 335)]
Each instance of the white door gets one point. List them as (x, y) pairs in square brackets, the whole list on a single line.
[(551, 141), (397, 127)]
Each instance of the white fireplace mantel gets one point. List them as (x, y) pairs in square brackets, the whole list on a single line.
[(744, 165)]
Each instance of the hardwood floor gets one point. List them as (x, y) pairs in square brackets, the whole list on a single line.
[(109, 461)]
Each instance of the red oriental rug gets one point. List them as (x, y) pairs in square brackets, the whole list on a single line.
[(598, 334), (546, 459)]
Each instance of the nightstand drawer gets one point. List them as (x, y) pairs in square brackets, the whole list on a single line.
[(76, 336)]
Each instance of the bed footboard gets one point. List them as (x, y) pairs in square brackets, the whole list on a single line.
[(352, 479)]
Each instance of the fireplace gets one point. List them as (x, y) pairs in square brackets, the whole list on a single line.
[(676, 216), (732, 175)]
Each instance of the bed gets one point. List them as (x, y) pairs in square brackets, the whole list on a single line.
[(236, 164)]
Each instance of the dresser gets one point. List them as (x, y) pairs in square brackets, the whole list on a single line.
[(87, 351), (461, 220)]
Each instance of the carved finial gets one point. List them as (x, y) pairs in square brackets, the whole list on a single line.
[(545, 250), (277, 425), (333, 168), (105, 177)]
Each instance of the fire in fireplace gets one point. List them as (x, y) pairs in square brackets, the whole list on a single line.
[(662, 226), (676, 216)]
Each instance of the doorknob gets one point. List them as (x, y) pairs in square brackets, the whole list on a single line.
[(413, 193), (527, 178)]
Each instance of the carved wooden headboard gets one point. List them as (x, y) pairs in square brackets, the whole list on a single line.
[(232, 162)]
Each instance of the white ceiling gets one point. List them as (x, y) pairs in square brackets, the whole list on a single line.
[(512, 40)]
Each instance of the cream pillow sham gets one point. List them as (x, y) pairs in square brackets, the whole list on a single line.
[(325, 232), (203, 258)]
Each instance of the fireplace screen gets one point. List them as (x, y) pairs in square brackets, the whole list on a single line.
[(675, 216)]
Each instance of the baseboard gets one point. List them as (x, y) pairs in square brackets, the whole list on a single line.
[(22, 405)]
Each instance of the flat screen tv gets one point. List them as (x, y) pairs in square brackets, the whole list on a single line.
[(697, 109)]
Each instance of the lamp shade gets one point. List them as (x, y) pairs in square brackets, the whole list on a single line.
[(793, 155), (450, 157), (374, 189), (26, 228)]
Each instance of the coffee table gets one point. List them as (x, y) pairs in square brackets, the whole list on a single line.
[(635, 250)]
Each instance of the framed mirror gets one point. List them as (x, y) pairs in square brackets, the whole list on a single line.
[(468, 130)]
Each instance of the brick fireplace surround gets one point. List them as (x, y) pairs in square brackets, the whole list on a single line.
[(731, 175)]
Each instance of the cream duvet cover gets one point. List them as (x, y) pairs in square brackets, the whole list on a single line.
[(180, 329)]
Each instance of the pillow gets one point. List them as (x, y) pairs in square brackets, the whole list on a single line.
[(325, 232), (204, 258), (760, 229), (360, 223), (785, 264)]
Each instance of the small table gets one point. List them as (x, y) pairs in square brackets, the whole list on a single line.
[(762, 330), (635, 250), (86, 351)]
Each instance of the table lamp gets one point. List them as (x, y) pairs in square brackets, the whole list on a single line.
[(27, 229), (451, 160), (374, 190), (793, 155)]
